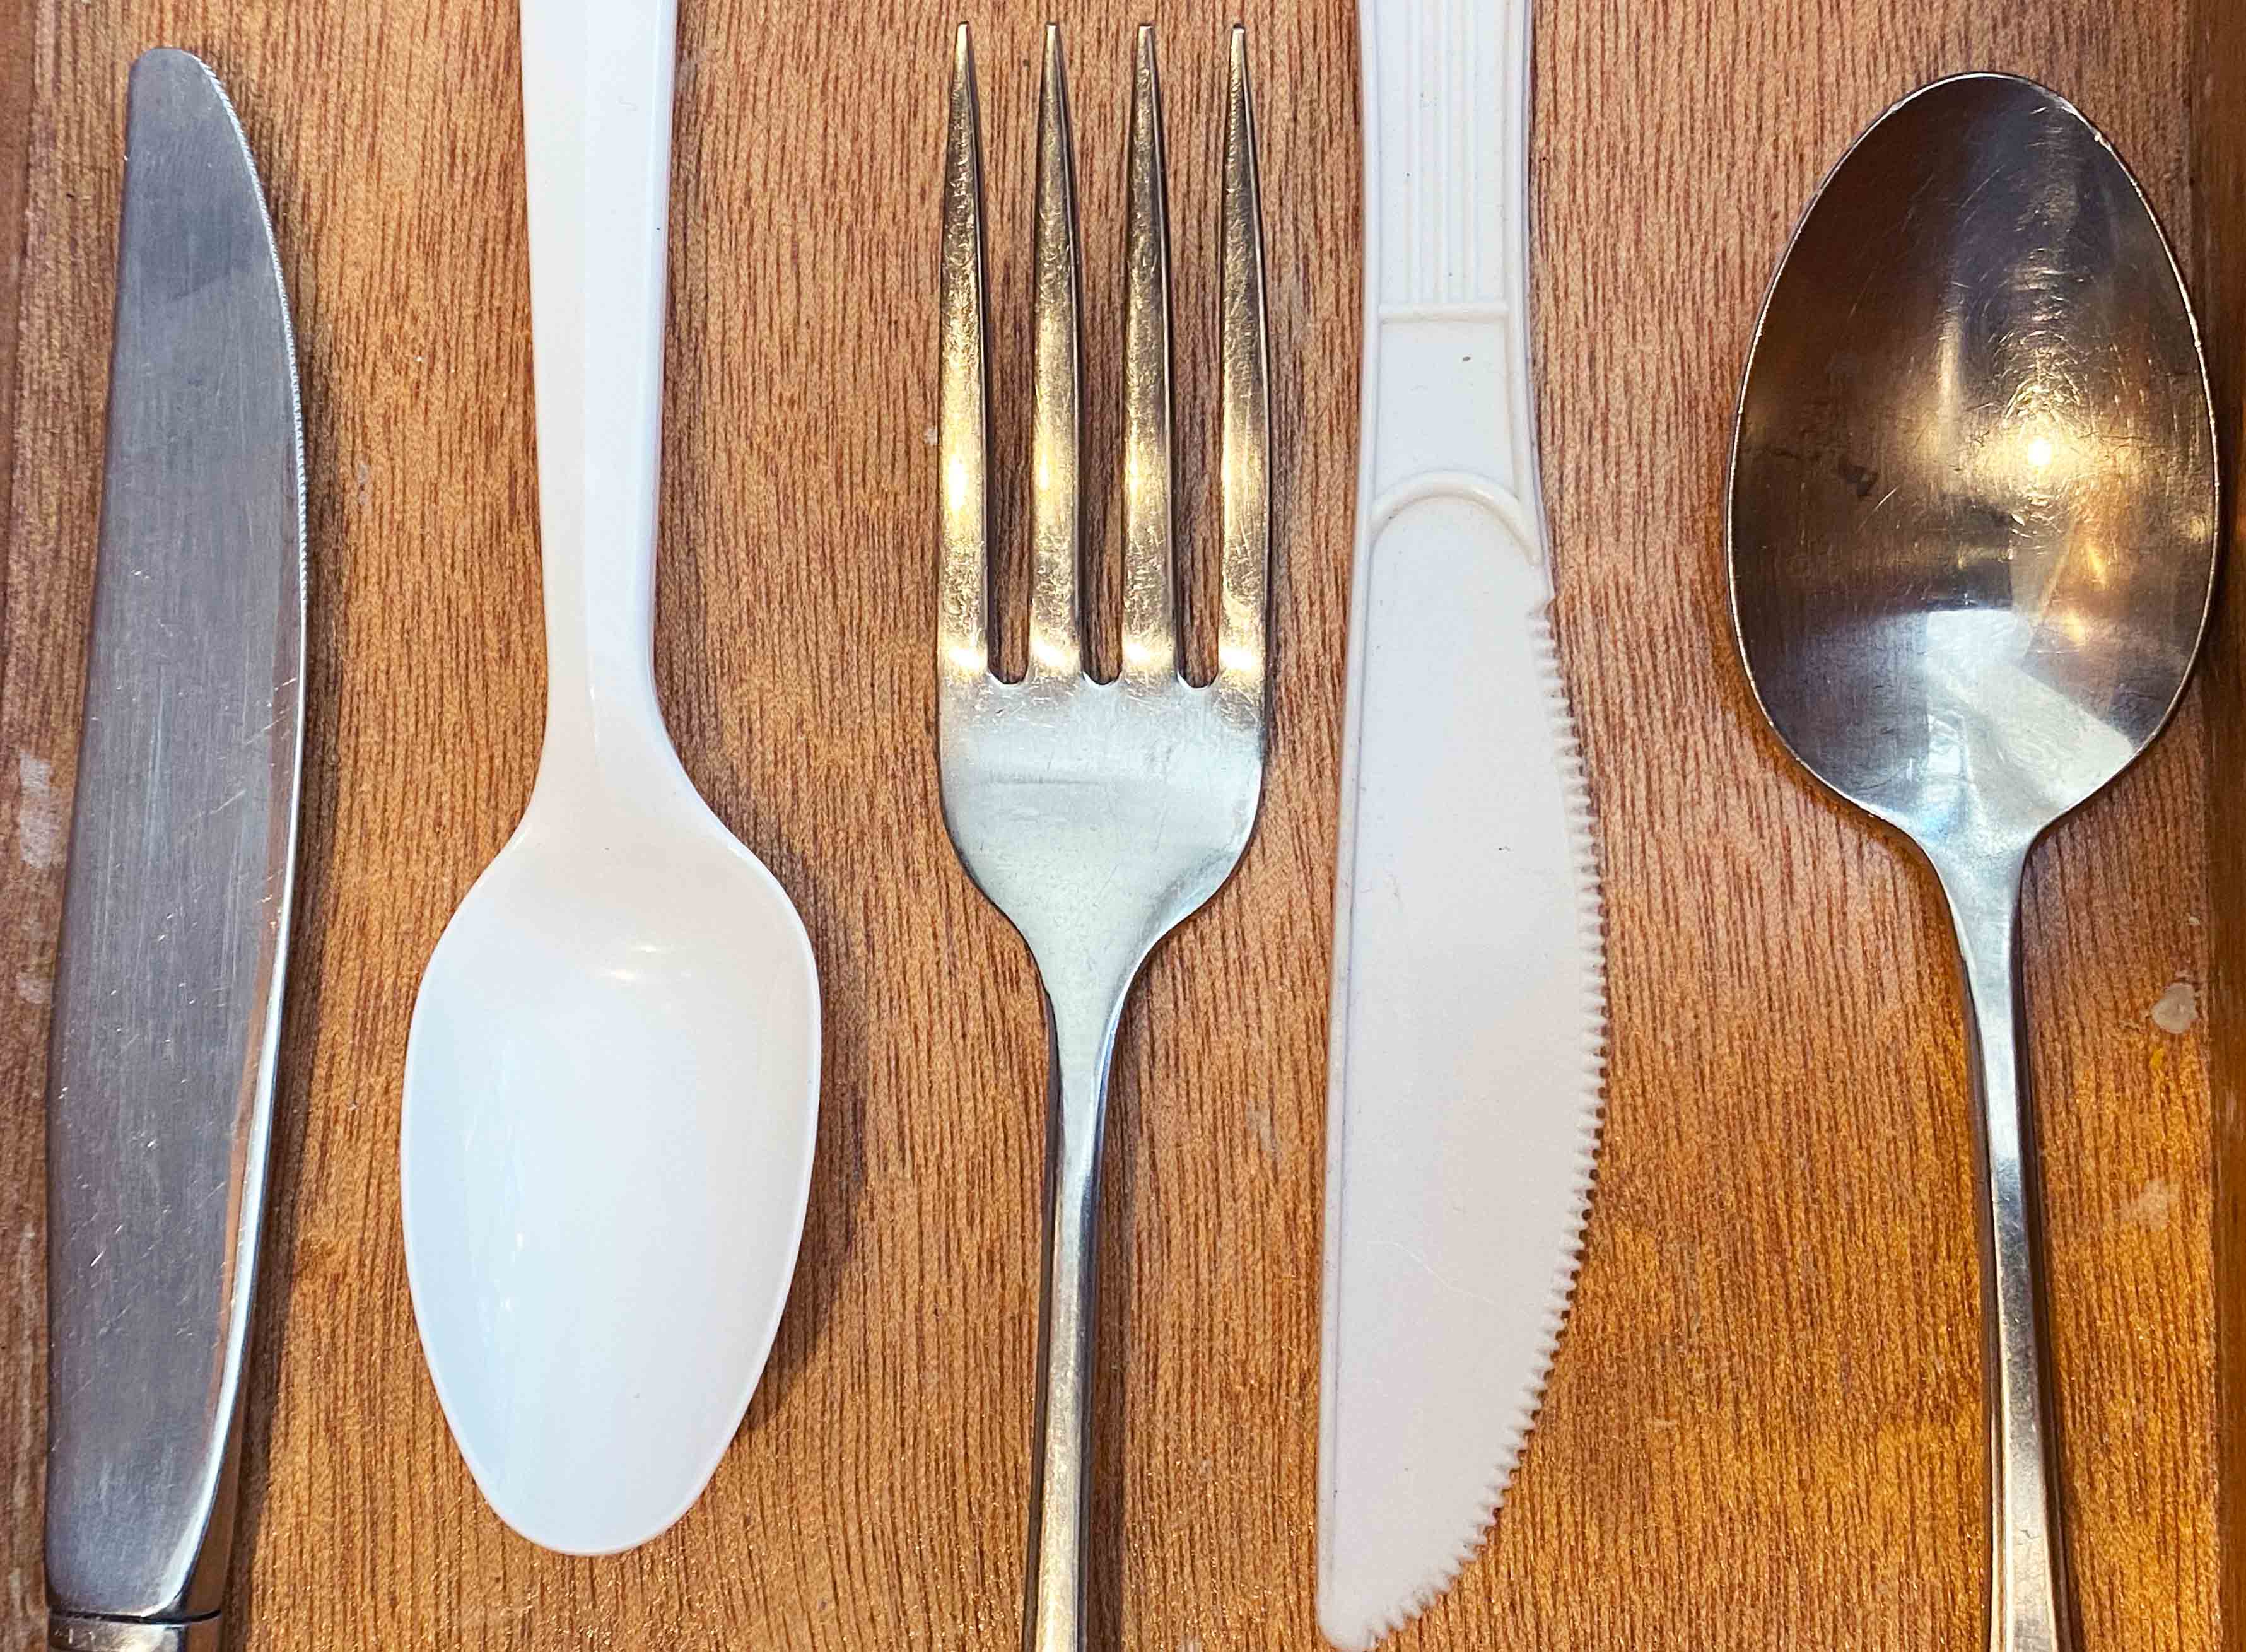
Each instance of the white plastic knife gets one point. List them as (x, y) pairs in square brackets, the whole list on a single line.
[(1469, 998)]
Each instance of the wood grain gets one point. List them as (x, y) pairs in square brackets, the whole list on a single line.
[(2219, 201), (24, 923), (1764, 1431)]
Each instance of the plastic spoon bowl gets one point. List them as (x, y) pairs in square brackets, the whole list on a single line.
[(611, 1083)]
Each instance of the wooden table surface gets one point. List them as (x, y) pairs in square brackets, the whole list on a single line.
[(1764, 1431)]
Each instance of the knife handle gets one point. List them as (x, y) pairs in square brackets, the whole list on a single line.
[(597, 80), (1447, 403)]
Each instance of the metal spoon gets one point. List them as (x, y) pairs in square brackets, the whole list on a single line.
[(1972, 530), (611, 1083)]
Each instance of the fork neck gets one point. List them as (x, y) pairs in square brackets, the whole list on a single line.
[(596, 103)]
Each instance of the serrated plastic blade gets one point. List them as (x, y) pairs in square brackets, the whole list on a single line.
[(1469, 1036)]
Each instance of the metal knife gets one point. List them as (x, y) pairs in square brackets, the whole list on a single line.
[(1469, 999), (175, 916)]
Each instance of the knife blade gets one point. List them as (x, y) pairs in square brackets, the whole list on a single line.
[(175, 913), (1469, 1004)]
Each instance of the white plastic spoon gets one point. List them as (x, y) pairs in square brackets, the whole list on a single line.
[(612, 1080)]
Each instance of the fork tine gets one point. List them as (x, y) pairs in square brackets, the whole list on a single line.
[(1247, 443), (1150, 639), (964, 591), (1055, 491)]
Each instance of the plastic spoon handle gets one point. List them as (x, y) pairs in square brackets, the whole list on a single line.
[(597, 107)]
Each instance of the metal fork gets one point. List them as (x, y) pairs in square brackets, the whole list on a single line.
[(1097, 816)]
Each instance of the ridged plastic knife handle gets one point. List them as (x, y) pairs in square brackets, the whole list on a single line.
[(1448, 411), (175, 911), (1469, 1006), (597, 79)]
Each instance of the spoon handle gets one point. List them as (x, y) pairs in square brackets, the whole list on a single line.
[(2029, 1606), (596, 101)]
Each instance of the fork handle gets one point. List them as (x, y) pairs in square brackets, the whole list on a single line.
[(597, 80), (1082, 1047)]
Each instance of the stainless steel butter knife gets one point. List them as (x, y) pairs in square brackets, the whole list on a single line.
[(175, 917)]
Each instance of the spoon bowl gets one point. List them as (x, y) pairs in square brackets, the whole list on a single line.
[(605, 1204), (1972, 538), (1972, 506)]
